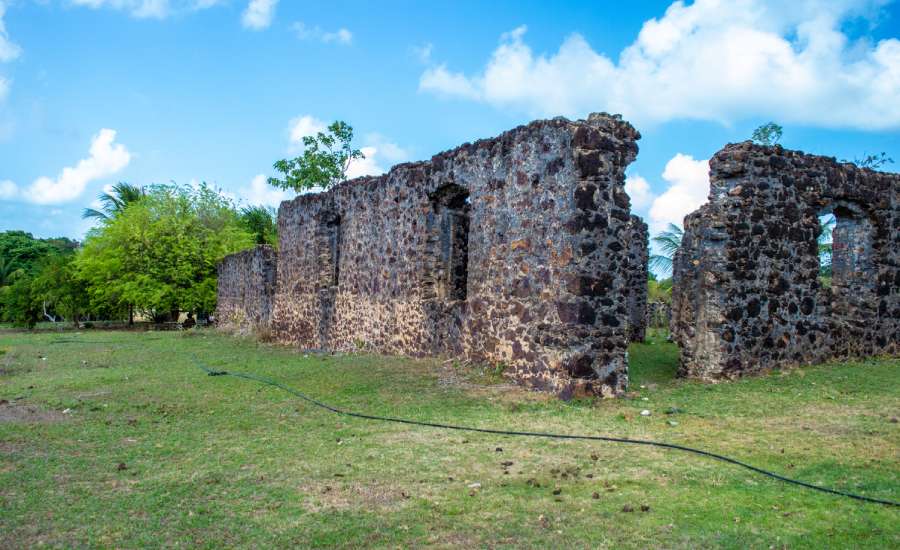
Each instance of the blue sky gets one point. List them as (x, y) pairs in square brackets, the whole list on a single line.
[(98, 91)]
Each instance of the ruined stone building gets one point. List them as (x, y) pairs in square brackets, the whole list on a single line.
[(521, 250), (747, 294), (518, 250)]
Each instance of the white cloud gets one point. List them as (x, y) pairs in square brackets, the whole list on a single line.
[(106, 158), (8, 50), (340, 36), (148, 9), (259, 192), (8, 190), (712, 60), (638, 190), (259, 14), (367, 166), (688, 189), (300, 127)]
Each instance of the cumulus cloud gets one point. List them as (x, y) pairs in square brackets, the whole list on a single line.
[(712, 60), (105, 159), (259, 14), (260, 192), (8, 50), (688, 189), (638, 190), (304, 32)]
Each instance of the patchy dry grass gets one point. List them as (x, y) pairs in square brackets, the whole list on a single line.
[(151, 452)]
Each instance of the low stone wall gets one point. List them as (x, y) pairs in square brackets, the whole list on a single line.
[(515, 250), (747, 293), (246, 286)]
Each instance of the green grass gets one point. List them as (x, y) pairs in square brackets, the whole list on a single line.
[(118, 441)]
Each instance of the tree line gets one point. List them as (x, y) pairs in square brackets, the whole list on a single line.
[(152, 253)]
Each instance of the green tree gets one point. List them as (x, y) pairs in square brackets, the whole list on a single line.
[(59, 291), (115, 202), (668, 241), (18, 304), (324, 162), (260, 221), (768, 134), (659, 291), (159, 255), (21, 251)]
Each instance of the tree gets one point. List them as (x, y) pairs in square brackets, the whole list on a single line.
[(260, 221), (659, 291), (159, 255), (768, 134), (324, 161), (21, 251), (59, 290), (668, 241), (115, 202)]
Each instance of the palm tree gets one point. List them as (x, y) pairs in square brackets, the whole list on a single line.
[(115, 202), (7, 270), (260, 220), (669, 241)]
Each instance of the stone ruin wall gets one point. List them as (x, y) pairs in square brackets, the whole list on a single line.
[(246, 286), (747, 293), (517, 250), (638, 272)]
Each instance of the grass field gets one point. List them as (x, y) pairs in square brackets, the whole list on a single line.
[(113, 439)]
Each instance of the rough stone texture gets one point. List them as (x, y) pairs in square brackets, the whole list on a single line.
[(747, 295), (512, 250), (638, 273), (246, 286)]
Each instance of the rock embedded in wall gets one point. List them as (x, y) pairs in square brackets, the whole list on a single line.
[(748, 296)]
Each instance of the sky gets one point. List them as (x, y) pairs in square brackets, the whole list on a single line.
[(93, 92)]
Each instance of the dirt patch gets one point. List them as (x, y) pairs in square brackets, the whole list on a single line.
[(11, 411)]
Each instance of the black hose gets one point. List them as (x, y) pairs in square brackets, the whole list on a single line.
[(674, 446)]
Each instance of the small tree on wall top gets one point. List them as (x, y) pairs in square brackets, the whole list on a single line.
[(767, 134), (324, 162)]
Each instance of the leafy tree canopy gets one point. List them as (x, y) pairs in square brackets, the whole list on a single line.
[(324, 162), (260, 221), (159, 255), (768, 134), (21, 252)]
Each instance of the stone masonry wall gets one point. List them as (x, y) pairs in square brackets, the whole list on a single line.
[(513, 250), (638, 262), (246, 285), (747, 293)]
